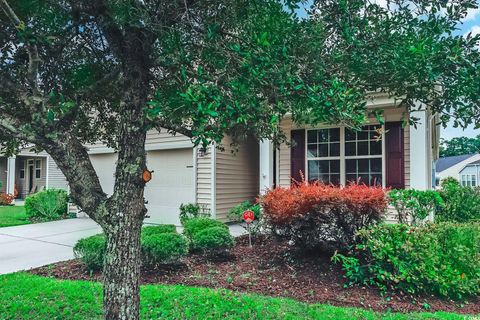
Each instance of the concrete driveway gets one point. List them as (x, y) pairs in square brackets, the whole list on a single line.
[(35, 245)]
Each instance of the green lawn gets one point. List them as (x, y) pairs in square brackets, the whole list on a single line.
[(26, 296), (12, 216)]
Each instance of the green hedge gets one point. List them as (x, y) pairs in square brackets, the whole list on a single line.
[(461, 204), (159, 244), (92, 251), (47, 205), (213, 240), (196, 225), (163, 248), (443, 259)]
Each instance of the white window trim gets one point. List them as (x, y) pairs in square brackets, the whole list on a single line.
[(22, 169), (35, 169), (342, 157)]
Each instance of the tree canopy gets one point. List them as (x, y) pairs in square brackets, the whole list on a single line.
[(460, 146)]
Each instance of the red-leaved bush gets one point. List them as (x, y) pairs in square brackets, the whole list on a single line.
[(314, 215), (5, 199)]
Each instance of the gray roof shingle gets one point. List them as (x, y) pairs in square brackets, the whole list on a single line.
[(447, 162)]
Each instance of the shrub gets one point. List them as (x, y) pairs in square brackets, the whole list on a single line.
[(6, 199), (442, 259), (164, 228), (91, 251), (462, 204), (213, 240), (416, 204), (192, 210), (163, 248), (323, 216), (236, 214), (196, 225), (47, 205)]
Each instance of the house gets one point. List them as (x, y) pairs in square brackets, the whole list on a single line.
[(29, 172), (470, 174), (392, 155), (455, 167)]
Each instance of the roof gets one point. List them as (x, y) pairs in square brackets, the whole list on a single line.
[(474, 163), (447, 162)]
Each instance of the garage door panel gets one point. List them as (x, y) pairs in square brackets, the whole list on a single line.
[(104, 165), (172, 184)]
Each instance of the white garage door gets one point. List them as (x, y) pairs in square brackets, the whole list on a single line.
[(172, 183), (104, 165)]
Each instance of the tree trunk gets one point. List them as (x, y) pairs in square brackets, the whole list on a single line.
[(122, 270)]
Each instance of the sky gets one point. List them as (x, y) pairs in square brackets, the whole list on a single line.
[(471, 23)]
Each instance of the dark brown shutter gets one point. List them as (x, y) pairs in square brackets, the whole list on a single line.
[(297, 155), (395, 155)]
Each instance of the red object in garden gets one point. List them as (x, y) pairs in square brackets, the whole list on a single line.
[(248, 216)]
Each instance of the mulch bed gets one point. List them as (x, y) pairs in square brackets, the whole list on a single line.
[(272, 268)]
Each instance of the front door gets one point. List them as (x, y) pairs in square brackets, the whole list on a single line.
[(30, 176)]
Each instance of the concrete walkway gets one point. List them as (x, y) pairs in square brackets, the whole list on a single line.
[(30, 246)]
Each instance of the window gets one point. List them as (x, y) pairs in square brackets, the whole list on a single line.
[(323, 155), (363, 155), (22, 169), (38, 169), (468, 180), (341, 155)]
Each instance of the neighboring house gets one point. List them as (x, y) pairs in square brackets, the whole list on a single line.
[(390, 156), (29, 172), (469, 176), (453, 166)]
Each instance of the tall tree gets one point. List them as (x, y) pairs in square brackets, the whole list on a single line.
[(459, 146), (74, 72)]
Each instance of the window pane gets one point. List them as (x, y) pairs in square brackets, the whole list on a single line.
[(334, 166), (323, 135), (312, 136), (323, 166), (376, 165), (351, 178), (312, 151), (351, 166), (362, 135), (376, 180), (375, 147), (38, 174), (38, 164), (350, 149), (362, 148), (350, 135), (313, 169), (335, 179), (335, 135), (334, 149), (22, 174), (323, 150), (364, 179), (363, 165)]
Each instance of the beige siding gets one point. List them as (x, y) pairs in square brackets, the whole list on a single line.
[(155, 141), (204, 178), (237, 176), (56, 179)]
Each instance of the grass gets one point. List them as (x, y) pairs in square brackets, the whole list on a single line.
[(12, 216), (26, 296)]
